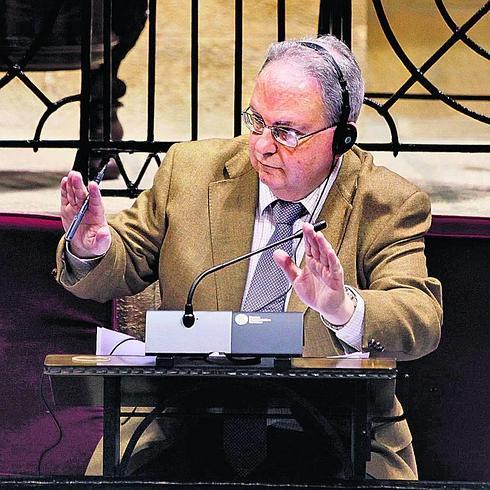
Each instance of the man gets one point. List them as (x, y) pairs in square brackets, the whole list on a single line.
[(365, 281)]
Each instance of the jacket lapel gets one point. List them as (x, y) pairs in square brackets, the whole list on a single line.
[(232, 205), (336, 211)]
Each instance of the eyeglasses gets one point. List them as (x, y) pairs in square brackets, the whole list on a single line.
[(285, 136)]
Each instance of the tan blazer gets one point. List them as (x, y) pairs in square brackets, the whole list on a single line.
[(200, 212)]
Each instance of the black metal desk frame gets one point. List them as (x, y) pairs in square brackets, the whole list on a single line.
[(360, 374)]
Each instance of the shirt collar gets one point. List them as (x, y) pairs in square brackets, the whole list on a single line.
[(310, 202)]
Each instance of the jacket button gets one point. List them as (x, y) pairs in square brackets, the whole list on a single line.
[(376, 345)]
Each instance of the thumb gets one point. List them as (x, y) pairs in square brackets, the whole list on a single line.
[(284, 261)]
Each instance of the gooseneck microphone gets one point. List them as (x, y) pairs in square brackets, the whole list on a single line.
[(189, 318)]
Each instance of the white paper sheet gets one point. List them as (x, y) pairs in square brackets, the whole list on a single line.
[(118, 344)]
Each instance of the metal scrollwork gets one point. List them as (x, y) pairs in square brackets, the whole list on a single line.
[(417, 74)]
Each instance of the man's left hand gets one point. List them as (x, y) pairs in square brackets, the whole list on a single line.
[(320, 284)]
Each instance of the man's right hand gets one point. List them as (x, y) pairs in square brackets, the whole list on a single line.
[(93, 237)]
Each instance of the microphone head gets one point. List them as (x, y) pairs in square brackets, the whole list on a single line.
[(188, 319), (321, 225)]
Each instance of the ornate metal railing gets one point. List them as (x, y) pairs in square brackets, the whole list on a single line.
[(417, 74), (335, 16)]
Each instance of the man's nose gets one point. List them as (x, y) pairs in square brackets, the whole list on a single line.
[(266, 144)]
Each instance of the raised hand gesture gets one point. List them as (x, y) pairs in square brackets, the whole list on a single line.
[(93, 237), (320, 284)]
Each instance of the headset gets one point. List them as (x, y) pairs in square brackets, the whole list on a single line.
[(345, 134)]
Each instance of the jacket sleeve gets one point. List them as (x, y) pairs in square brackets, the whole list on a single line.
[(403, 304), (131, 263)]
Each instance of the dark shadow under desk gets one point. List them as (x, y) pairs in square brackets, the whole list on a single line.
[(116, 381)]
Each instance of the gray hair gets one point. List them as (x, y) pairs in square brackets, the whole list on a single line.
[(317, 64)]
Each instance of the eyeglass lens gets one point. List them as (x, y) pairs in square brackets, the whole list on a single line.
[(281, 135)]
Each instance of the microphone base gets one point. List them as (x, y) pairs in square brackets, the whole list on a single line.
[(265, 334)]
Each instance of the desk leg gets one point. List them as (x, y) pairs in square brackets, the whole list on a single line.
[(360, 443), (112, 408)]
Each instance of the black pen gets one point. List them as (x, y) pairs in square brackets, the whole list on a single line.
[(79, 216)]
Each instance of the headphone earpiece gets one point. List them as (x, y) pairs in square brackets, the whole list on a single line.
[(344, 138)]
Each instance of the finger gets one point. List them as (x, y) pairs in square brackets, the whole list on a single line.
[(324, 248), (336, 271), (76, 190), (63, 191), (284, 261), (311, 246), (96, 206), (70, 192), (307, 240), (317, 269), (334, 264)]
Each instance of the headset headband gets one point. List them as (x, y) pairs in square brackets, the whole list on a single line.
[(345, 110)]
